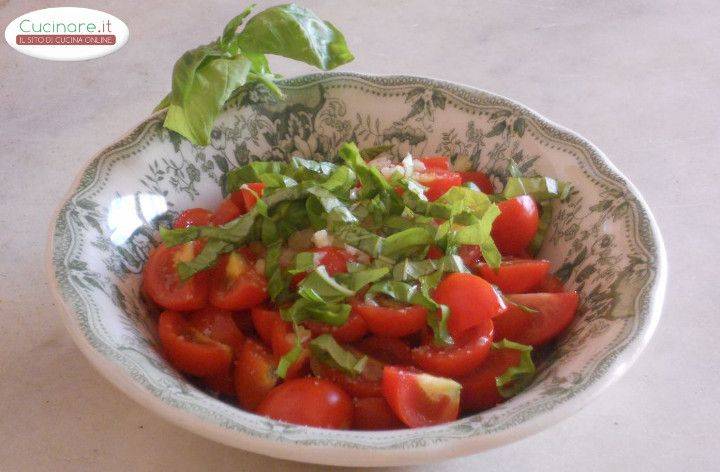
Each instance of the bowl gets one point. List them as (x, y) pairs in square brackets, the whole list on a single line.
[(603, 242)]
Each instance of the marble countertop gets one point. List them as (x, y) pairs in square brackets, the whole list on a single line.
[(638, 78)]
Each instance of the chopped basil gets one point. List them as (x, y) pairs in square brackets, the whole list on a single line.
[(515, 378), (327, 350)]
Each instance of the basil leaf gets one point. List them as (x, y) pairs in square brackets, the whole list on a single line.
[(515, 378), (371, 179), (540, 188), (207, 258), (278, 282), (304, 262), (546, 211), (358, 237), (374, 151), (340, 181), (253, 172), (327, 350), (305, 166), (360, 278), (406, 240), (293, 354), (479, 234), (335, 314), (320, 283), (464, 200), (296, 33), (331, 204)]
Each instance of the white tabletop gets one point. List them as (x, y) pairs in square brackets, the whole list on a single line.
[(638, 78)]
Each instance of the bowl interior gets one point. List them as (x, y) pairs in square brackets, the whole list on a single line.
[(602, 241)]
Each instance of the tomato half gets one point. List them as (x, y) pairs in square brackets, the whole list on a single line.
[(309, 402), (551, 284), (479, 179), (218, 325), (516, 225), (221, 384), (479, 389), (236, 285), (283, 340), (193, 217), (246, 197), (435, 162), (468, 352), (264, 320), (334, 259), (163, 285), (190, 351), (515, 276), (471, 300), (420, 399), (365, 384), (555, 311), (254, 374), (354, 328), (387, 350), (374, 414), (226, 212), (438, 182), (393, 321), (435, 252)]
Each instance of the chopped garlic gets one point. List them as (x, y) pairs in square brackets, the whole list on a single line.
[(260, 266), (322, 238)]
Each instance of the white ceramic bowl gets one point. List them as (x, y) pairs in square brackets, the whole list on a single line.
[(604, 242)]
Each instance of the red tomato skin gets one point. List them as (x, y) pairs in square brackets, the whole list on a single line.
[(309, 402), (435, 252), (221, 384), (255, 374), (516, 225), (264, 320), (374, 414), (438, 182), (436, 162), (411, 404), (468, 352), (334, 259), (551, 284), (218, 325), (226, 212), (387, 350), (244, 198), (515, 276), (479, 389), (480, 179), (354, 329), (391, 322), (196, 358), (471, 255), (365, 384), (555, 312), (241, 293), (193, 217), (163, 285), (471, 300), (283, 340)]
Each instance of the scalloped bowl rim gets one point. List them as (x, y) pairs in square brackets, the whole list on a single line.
[(328, 455)]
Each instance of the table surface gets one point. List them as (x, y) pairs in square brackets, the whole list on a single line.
[(635, 77)]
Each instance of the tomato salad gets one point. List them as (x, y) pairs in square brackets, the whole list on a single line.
[(361, 293)]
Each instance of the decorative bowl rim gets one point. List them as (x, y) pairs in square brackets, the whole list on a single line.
[(445, 449)]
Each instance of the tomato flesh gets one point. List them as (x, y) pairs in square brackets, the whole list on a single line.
[(193, 217), (218, 325), (374, 414), (480, 179), (387, 350), (471, 300), (516, 225), (555, 311), (515, 276), (479, 389), (236, 285), (355, 328), (226, 212), (309, 402), (438, 182), (162, 283), (435, 162), (254, 374), (264, 320), (391, 322)]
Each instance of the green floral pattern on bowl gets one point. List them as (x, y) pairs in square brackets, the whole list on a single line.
[(603, 242)]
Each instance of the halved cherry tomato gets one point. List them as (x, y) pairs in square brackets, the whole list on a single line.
[(479, 179), (236, 285), (374, 414), (218, 325), (438, 182), (435, 252), (227, 211), (387, 350), (516, 225), (244, 322), (555, 311), (365, 384), (309, 402), (515, 276), (471, 300), (468, 352), (246, 198), (264, 320), (193, 217), (479, 389), (354, 329), (189, 350), (162, 283), (551, 284), (392, 321), (334, 259), (471, 254), (435, 162), (254, 374), (282, 341), (420, 399), (221, 384)]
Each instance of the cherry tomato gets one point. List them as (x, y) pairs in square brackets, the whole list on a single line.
[(354, 329), (221, 384), (470, 299), (334, 259), (236, 285), (246, 198), (479, 179), (479, 389), (218, 325), (309, 402), (387, 350), (190, 351), (435, 162), (264, 320), (471, 254), (516, 225), (193, 217), (254, 374), (163, 285), (226, 212), (435, 252), (551, 284), (438, 182), (468, 352), (420, 399), (365, 384), (515, 276), (374, 414), (392, 321), (555, 311), (282, 341)]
